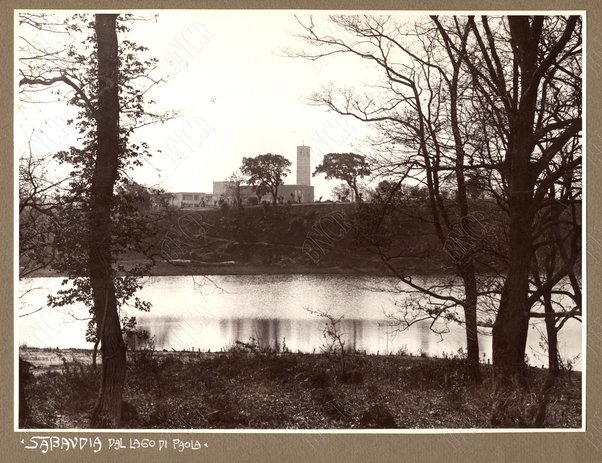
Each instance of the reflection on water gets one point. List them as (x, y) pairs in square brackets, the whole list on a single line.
[(271, 309)]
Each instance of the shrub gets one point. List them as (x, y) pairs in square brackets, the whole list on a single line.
[(81, 379), (378, 417)]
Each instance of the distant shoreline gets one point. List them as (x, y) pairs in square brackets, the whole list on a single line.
[(191, 269)]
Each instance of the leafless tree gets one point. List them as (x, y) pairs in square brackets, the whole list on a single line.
[(417, 109), (495, 96)]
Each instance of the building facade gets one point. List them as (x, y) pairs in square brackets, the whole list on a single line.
[(222, 191), (301, 192), (296, 193), (303, 165), (190, 200), (286, 194)]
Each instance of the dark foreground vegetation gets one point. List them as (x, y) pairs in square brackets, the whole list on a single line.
[(251, 388)]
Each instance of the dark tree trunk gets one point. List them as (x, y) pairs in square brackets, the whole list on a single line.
[(511, 325), (23, 407), (470, 316), (99, 235), (358, 198), (552, 335), (466, 264)]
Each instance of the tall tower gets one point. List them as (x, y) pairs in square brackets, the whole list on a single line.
[(303, 170)]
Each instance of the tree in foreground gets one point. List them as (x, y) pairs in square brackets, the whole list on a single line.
[(266, 172), (416, 112), (93, 226), (348, 167), (493, 98), (99, 230), (540, 59)]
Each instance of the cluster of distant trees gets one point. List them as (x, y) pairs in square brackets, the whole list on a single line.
[(266, 172)]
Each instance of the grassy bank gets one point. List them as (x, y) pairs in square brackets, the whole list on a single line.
[(286, 239), (249, 389), (301, 238)]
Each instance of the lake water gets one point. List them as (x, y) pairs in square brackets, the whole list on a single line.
[(196, 313)]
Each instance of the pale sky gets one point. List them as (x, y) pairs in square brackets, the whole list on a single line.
[(236, 92)]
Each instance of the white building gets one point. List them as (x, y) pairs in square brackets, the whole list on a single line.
[(190, 200), (303, 165)]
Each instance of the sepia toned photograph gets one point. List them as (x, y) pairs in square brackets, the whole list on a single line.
[(299, 220)]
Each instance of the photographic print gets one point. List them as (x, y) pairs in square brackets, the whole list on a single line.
[(299, 220)]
